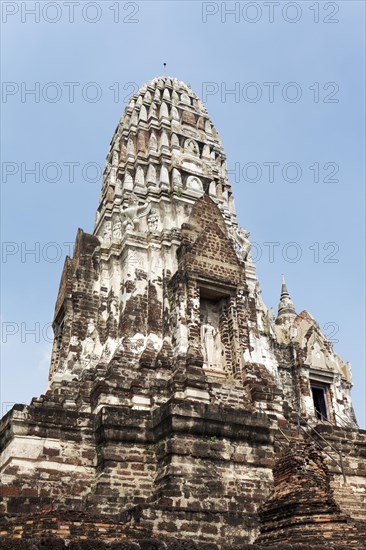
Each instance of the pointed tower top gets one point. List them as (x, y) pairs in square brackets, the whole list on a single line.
[(286, 308), (165, 131)]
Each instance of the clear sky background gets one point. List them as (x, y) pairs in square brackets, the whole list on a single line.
[(316, 46)]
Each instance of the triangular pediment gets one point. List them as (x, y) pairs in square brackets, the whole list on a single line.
[(207, 249), (204, 213), (213, 244)]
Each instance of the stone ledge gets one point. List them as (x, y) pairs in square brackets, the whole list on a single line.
[(148, 544), (181, 416), (207, 419)]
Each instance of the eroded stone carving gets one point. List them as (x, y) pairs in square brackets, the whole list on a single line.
[(190, 146), (270, 322), (194, 183), (177, 178), (117, 230), (90, 342), (241, 239), (153, 220), (107, 234), (131, 215)]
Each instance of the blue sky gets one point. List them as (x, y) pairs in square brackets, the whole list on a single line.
[(317, 59)]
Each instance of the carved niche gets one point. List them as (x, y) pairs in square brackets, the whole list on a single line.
[(211, 342)]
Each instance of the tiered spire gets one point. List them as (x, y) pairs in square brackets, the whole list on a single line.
[(164, 145), (286, 308)]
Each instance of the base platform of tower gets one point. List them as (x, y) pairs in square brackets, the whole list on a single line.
[(180, 412)]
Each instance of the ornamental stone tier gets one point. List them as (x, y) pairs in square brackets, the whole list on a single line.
[(173, 389)]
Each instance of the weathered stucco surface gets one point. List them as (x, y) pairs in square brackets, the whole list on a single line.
[(173, 389)]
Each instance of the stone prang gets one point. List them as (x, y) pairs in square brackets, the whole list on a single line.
[(173, 390)]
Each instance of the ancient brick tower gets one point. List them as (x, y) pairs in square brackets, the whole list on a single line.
[(172, 387)]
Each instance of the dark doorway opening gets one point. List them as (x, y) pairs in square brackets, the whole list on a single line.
[(320, 404)]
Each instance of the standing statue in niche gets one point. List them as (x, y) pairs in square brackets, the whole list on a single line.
[(131, 215), (210, 342)]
